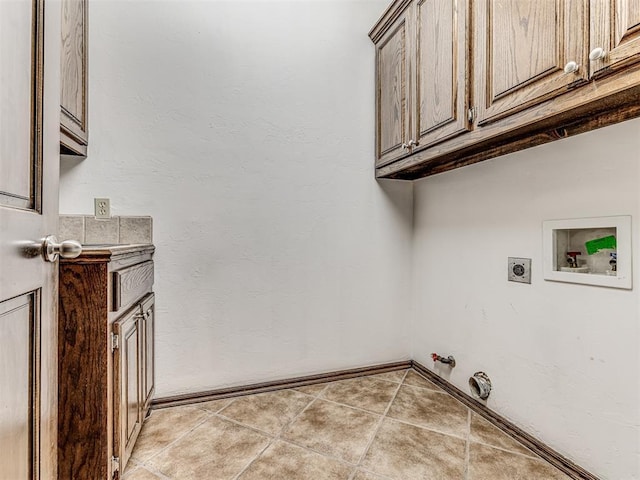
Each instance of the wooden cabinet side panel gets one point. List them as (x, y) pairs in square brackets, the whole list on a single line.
[(73, 57), (442, 72), (83, 429)]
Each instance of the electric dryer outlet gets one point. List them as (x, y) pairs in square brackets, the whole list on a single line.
[(519, 270)]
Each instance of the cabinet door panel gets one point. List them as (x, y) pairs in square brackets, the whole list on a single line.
[(442, 73), (521, 50), (147, 364), (393, 90), (615, 27), (73, 58), (127, 386)]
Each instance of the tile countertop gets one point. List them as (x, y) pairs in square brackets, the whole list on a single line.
[(102, 252)]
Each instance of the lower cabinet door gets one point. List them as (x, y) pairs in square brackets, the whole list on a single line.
[(127, 385), (147, 331)]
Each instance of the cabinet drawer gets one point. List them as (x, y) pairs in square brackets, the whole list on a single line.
[(131, 283)]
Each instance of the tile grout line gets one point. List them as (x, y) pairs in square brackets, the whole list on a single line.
[(377, 429), (318, 452), (156, 472), (459, 437), (467, 446), (264, 433), (533, 456), (295, 417), (241, 472), (371, 472), (431, 429), (278, 435), (439, 390), (377, 414), (211, 412), (316, 397), (145, 462)]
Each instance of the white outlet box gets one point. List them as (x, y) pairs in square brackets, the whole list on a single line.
[(102, 207), (560, 236)]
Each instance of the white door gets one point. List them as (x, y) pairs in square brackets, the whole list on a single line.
[(29, 163)]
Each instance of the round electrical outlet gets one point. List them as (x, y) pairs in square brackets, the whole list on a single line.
[(519, 270)]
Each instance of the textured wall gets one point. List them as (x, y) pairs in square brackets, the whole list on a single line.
[(246, 130), (564, 359)]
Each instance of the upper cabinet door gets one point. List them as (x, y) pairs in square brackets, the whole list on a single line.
[(522, 49), (73, 95), (393, 90), (615, 34), (442, 70)]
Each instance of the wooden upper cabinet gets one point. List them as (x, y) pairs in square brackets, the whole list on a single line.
[(614, 35), (73, 96), (521, 51), (475, 79), (442, 93), (393, 72)]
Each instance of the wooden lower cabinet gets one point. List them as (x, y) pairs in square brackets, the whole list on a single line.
[(106, 359), (133, 375)]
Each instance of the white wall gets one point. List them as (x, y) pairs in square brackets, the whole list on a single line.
[(564, 359), (246, 130)]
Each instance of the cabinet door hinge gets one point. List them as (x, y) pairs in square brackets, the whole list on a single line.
[(115, 467), (115, 344), (471, 114)]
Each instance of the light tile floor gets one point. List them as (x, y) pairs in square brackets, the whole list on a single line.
[(391, 426)]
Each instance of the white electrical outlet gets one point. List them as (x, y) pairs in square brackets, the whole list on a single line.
[(102, 207), (519, 270)]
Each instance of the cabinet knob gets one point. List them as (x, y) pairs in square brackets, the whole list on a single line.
[(597, 54), (571, 67), (413, 143), (51, 249), (404, 146)]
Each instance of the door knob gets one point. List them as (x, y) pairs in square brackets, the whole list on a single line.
[(571, 67), (51, 249)]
